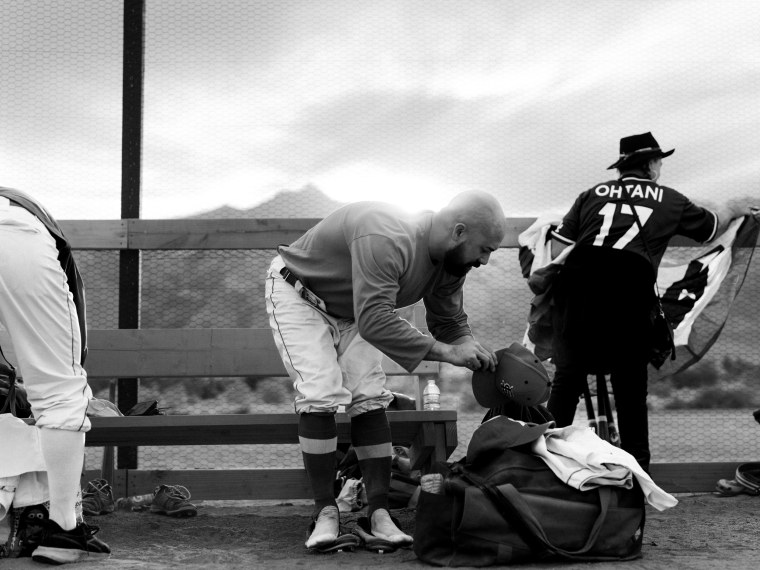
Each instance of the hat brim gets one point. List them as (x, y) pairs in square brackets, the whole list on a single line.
[(484, 386), (524, 371), (639, 155)]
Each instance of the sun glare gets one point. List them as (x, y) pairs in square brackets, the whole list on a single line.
[(364, 181)]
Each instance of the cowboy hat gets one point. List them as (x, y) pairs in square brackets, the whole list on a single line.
[(639, 146), (519, 377)]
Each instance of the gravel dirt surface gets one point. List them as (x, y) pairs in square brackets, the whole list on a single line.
[(704, 531)]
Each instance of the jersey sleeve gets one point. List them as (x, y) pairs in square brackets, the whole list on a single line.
[(444, 312), (567, 231), (377, 266), (697, 223)]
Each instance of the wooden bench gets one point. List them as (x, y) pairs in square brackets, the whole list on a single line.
[(141, 353), (191, 353), (131, 353)]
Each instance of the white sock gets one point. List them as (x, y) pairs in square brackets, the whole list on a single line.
[(63, 451)]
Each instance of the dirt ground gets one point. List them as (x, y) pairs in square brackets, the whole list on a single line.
[(704, 531)]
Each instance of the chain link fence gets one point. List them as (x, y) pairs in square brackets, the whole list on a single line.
[(269, 109)]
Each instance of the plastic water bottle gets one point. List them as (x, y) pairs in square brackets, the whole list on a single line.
[(431, 396)]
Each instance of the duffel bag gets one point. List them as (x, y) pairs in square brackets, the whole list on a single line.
[(506, 506)]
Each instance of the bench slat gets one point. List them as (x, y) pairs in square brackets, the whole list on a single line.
[(97, 234), (145, 353), (228, 429)]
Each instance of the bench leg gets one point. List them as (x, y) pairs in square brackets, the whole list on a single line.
[(434, 442), (439, 451), (108, 466)]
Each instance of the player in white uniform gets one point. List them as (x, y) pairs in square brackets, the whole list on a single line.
[(42, 309), (332, 297)]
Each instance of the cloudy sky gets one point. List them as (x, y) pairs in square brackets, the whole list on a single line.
[(408, 101)]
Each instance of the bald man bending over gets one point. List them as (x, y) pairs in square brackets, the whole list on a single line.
[(332, 297)]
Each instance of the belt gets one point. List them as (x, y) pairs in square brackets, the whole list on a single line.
[(305, 294), (288, 276)]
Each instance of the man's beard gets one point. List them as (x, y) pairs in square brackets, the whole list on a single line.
[(454, 262)]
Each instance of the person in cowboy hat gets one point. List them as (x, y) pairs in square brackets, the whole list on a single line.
[(605, 291)]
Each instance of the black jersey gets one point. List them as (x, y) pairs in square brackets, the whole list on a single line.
[(602, 216)]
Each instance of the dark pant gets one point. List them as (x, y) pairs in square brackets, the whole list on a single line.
[(629, 386), (601, 326)]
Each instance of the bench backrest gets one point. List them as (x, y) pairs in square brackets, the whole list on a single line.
[(198, 353), (144, 353)]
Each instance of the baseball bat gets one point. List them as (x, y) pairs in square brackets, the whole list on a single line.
[(590, 408), (601, 398), (612, 430)]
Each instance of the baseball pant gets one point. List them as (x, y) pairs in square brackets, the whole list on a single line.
[(38, 312), (329, 362)]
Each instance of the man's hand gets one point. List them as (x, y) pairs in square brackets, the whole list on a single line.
[(467, 353), (734, 208)]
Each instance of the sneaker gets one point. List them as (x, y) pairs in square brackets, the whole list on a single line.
[(172, 500), (60, 546), (386, 527), (97, 498), (26, 528), (324, 530)]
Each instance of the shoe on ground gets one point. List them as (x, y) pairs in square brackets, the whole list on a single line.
[(748, 474), (172, 500), (27, 525), (372, 543), (324, 530), (60, 546), (385, 527), (380, 533), (729, 488), (97, 498)]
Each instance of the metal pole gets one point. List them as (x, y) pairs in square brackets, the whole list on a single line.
[(131, 168)]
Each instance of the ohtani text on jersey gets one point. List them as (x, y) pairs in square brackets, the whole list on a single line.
[(635, 191)]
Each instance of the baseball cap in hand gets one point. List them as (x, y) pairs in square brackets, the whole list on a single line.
[(519, 377)]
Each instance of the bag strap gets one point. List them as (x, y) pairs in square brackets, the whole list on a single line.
[(516, 511), (515, 498)]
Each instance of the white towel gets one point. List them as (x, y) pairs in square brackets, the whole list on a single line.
[(20, 450), (584, 461)]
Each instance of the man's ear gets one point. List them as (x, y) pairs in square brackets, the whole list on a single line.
[(459, 231)]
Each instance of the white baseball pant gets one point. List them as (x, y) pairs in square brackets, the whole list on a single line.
[(39, 314), (329, 362)]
